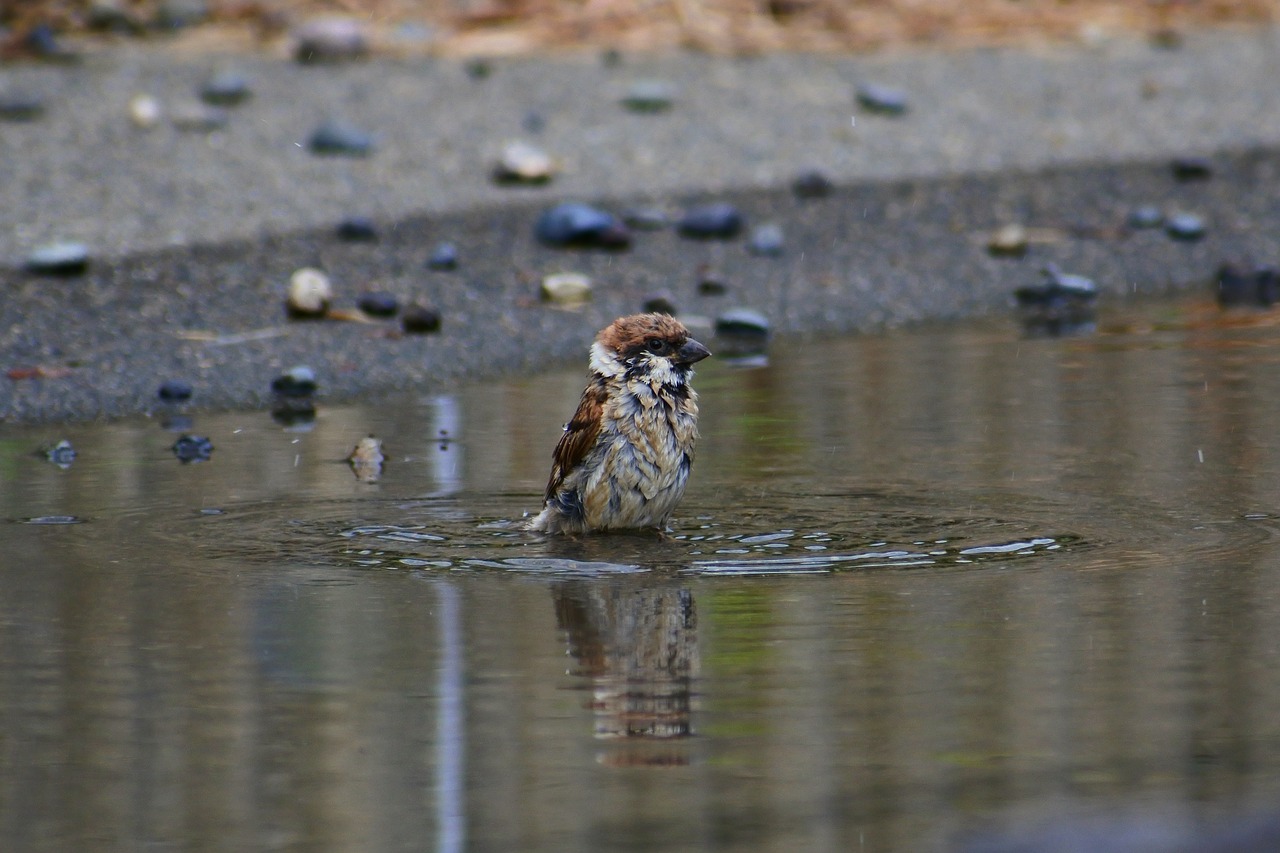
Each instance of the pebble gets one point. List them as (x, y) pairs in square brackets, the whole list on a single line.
[(366, 459), (1146, 216), (192, 448), (711, 221), (660, 303), (1062, 304), (21, 106), (812, 183), (43, 43), (59, 259), (357, 228), (522, 163), (882, 99), (1238, 285), (420, 320), (378, 303), (144, 111), (310, 294), (649, 96), (174, 391), (767, 241), (1192, 168), (329, 40), (226, 89), (1008, 241), (112, 16), (566, 289), (741, 332), (443, 258), (575, 224), (1185, 226), (297, 382), (199, 117), (335, 138), (711, 283), (61, 454)]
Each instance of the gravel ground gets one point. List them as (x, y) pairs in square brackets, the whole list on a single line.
[(194, 234)]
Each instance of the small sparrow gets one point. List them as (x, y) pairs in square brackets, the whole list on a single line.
[(624, 458)]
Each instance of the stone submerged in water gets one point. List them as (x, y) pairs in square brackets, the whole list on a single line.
[(718, 221), (192, 448), (1238, 285), (59, 259), (1062, 304), (297, 382), (61, 454), (575, 224), (338, 139), (741, 333)]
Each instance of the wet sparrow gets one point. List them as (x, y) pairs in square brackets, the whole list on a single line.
[(624, 458)]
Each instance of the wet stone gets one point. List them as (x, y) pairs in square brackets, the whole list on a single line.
[(192, 448), (298, 383), (1238, 285), (337, 139), (1061, 304), (61, 454), (660, 303), (812, 183), (378, 304), (367, 459), (226, 89), (174, 391), (1192, 168), (443, 258), (521, 163), (329, 40), (720, 221), (1146, 216), (566, 289), (310, 294), (883, 100), (649, 96), (742, 332), (59, 259), (1185, 227), (357, 229), (1008, 241), (712, 283), (767, 241), (420, 320), (20, 106), (575, 224)]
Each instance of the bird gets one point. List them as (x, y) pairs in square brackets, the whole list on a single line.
[(624, 458)]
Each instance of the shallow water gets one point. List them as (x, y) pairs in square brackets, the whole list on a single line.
[(925, 584)]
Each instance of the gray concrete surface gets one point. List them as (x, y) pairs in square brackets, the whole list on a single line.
[(194, 235)]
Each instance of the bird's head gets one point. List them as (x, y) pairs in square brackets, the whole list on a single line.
[(655, 346)]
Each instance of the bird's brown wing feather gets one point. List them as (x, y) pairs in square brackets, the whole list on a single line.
[(579, 434)]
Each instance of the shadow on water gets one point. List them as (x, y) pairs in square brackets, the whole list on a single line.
[(926, 586)]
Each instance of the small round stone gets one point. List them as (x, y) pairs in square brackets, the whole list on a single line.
[(649, 96), (420, 320), (720, 221), (883, 100), (329, 40), (193, 448), (1146, 216), (575, 224), (522, 163), (1185, 227), (366, 459), (226, 89), (299, 381), (337, 139), (1008, 241), (767, 241), (660, 303), (567, 289), (310, 294), (742, 321), (174, 391), (357, 228), (144, 111), (20, 106), (1192, 168), (378, 304), (444, 257), (711, 283), (59, 259), (812, 183)]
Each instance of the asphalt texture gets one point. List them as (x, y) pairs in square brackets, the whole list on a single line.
[(194, 235)]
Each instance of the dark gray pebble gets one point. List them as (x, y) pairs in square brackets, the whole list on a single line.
[(720, 221), (660, 303), (174, 391), (226, 89), (335, 138), (711, 283), (741, 332), (1243, 285), (378, 304), (649, 96), (1146, 216), (812, 183), (420, 320), (1062, 304), (329, 40), (298, 381), (59, 259), (1185, 227), (20, 106), (357, 228), (444, 257), (575, 224), (1192, 168), (193, 448), (884, 100), (767, 241)]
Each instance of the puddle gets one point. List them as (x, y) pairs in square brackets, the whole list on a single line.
[(919, 580)]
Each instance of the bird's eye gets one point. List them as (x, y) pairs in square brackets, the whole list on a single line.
[(657, 346)]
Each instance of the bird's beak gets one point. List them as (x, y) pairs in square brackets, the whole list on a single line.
[(691, 352)]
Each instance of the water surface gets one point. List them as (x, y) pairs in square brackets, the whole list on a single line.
[(925, 584)]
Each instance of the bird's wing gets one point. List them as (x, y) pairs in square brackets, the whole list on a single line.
[(579, 435)]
